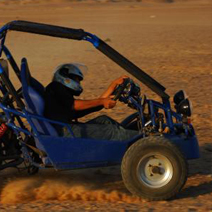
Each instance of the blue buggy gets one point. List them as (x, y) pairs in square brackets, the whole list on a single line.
[(153, 163)]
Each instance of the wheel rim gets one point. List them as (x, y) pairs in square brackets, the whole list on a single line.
[(154, 170)]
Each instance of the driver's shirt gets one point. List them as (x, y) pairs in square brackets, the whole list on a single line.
[(59, 104)]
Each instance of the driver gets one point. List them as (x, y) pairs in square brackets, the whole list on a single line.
[(61, 105)]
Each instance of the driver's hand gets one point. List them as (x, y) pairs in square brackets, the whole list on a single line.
[(120, 80), (108, 102)]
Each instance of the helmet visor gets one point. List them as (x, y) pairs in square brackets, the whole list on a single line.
[(83, 68)]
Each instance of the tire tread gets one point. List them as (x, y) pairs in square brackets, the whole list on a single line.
[(152, 140)]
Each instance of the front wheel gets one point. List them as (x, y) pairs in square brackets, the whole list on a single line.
[(154, 168)]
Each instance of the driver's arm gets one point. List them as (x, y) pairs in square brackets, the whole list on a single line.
[(112, 86), (88, 104)]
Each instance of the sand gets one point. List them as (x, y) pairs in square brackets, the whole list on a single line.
[(170, 40)]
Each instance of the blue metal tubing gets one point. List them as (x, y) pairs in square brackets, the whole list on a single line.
[(8, 110), (1, 45), (92, 39), (28, 116), (140, 110), (7, 52), (10, 123), (12, 61), (18, 129), (3, 90), (167, 108), (2, 42), (152, 112), (31, 116), (1, 69), (3, 29), (177, 116), (169, 113)]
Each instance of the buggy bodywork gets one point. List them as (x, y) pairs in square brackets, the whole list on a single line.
[(69, 153)]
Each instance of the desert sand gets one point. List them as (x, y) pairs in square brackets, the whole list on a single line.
[(170, 40)]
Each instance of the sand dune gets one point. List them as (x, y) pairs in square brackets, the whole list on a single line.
[(171, 42)]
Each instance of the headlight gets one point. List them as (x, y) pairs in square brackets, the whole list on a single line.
[(179, 96), (184, 107)]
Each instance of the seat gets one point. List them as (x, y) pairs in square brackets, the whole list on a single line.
[(33, 92)]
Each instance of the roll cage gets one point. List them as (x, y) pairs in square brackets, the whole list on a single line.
[(77, 34), (58, 148)]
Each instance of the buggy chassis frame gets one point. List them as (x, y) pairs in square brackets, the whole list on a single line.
[(115, 149)]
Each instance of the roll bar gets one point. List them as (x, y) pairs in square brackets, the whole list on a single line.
[(44, 29), (80, 34)]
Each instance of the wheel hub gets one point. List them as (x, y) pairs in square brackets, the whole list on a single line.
[(155, 170)]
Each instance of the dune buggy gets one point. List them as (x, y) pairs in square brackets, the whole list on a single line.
[(153, 163)]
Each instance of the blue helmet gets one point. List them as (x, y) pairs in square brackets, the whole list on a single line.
[(66, 73)]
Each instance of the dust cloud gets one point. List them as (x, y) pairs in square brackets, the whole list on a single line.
[(83, 185)]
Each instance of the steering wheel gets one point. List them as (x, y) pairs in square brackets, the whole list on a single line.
[(120, 88)]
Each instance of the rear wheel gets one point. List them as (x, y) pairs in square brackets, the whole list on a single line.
[(153, 168), (10, 153)]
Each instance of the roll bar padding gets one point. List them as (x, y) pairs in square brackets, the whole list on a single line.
[(46, 29)]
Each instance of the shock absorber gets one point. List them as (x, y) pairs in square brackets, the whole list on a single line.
[(3, 129)]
